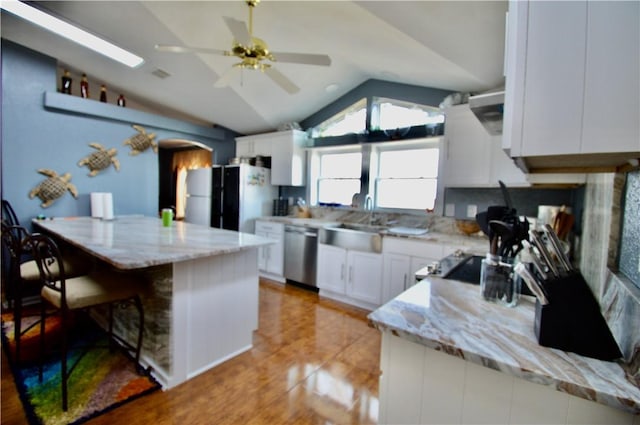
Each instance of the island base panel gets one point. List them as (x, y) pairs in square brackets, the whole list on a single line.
[(198, 314)]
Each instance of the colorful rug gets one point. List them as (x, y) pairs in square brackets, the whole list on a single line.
[(101, 381)]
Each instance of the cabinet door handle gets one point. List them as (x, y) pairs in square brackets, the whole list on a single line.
[(405, 282), (350, 273), (342, 272)]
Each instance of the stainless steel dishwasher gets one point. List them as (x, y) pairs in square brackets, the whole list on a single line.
[(300, 251)]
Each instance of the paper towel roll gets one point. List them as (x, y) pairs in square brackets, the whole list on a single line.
[(97, 209), (107, 204)]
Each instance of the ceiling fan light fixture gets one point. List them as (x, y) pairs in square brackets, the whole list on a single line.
[(252, 53), (71, 32)]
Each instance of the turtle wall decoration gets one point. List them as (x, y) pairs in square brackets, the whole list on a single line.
[(141, 142), (53, 187), (100, 160)]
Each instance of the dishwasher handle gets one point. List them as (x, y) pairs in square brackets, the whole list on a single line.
[(301, 231)]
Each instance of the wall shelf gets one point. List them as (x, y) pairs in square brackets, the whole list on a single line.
[(92, 108)]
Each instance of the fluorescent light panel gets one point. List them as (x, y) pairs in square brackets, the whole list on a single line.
[(71, 32)]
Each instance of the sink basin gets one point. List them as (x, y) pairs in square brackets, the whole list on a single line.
[(358, 227), (353, 236)]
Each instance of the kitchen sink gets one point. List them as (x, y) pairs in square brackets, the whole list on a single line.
[(358, 237), (358, 227)]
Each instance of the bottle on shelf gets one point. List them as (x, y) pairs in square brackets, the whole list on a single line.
[(66, 82), (84, 87), (103, 93), (121, 101)]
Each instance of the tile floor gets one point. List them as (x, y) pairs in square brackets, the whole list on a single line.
[(314, 361)]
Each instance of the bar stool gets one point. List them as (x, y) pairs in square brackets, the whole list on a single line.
[(21, 275), (81, 293)]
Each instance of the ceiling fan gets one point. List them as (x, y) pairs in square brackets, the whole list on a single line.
[(252, 52)]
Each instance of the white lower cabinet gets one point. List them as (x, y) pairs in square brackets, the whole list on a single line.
[(399, 273), (402, 258), (420, 385), (350, 276), (271, 257)]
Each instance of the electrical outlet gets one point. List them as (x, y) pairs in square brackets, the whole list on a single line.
[(450, 210), (472, 210)]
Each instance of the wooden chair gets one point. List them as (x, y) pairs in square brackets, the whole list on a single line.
[(80, 293)]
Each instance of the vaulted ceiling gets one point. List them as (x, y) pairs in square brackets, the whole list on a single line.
[(453, 45)]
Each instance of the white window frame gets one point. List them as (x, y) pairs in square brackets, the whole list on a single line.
[(426, 143), (373, 150), (314, 167)]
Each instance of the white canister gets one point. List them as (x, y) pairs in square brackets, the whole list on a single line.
[(97, 208), (107, 204)]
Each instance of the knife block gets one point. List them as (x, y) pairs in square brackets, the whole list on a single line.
[(572, 320)]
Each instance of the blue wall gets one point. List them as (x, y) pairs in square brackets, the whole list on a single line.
[(34, 137)]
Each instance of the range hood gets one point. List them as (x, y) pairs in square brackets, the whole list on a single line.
[(489, 108)]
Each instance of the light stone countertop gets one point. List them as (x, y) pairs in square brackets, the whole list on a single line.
[(450, 316), (475, 244), (134, 242)]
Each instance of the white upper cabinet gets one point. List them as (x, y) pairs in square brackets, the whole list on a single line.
[(252, 147), (571, 97), (287, 152), (612, 79)]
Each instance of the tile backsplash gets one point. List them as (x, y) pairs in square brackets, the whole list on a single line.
[(525, 200), (604, 211), (630, 240)]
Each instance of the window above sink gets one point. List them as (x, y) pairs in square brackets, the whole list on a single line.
[(397, 176)]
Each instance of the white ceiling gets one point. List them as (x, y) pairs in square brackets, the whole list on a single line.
[(454, 45)]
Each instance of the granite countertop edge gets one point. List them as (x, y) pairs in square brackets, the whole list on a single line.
[(387, 318), (430, 236), (143, 243)]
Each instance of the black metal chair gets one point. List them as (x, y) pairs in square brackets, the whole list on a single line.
[(20, 278), (8, 214), (81, 293)]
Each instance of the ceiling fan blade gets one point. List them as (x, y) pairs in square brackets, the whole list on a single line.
[(184, 49), (281, 80), (239, 30), (225, 78), (304, 58)]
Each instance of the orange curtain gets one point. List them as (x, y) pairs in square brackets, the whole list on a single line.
[(181, 163)]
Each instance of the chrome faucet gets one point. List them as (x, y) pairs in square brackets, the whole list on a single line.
[(368, 203), (368, 206)]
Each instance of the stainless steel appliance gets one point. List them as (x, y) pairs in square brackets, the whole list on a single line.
[(489, 108), (458, 266), (300, 251), (229, 197)]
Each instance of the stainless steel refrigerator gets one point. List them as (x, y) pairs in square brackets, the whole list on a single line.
[(229, 197)]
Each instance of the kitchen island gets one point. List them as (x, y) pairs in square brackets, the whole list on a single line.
[(450, 357), (201, 292)]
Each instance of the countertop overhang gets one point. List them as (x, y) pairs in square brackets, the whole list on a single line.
[(134, 242), (450, 316)]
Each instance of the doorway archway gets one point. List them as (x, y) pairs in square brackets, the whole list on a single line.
[(176, 157)]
